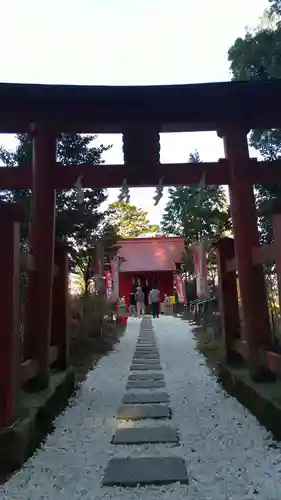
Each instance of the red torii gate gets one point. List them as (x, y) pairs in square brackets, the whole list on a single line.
[(140, 114)]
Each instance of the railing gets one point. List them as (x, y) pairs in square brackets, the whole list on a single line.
[(206, 312), (265, 349), (17, 366)]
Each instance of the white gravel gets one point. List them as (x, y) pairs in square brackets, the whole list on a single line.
[(228, 454)]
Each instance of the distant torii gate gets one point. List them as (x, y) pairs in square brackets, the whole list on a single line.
[(141, 114)]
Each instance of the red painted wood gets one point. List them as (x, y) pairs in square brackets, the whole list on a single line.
[(268, 359), (276, 220), (111, 176), (174, 108), (228, 296), (40, 282), (28, 371), (244, 219), (60, 332), (9, 316), (241, 347)]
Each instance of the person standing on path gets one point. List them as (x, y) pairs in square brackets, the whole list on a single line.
[(154, 299), (139, 296), (132, 302)]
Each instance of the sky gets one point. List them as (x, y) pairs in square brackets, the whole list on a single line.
[(126, 42)]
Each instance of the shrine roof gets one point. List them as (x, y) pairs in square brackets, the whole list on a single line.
[(150, 254), (172, 108)]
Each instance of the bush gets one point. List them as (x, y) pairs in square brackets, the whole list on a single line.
[(91, 325)]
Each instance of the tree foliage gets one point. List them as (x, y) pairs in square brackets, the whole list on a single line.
[(130, 221), (275, 6), (184, 216), (196, 217), (78, 225), (258, 56)]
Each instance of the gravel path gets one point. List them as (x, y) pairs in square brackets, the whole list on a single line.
[(228, 454)]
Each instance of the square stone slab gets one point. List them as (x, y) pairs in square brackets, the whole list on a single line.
[(141, 412), (143, 435), (145, 398), (143, 471), (146, 348), (141, 367), (146, 376), (145, 361), (139, 354), (146, 343), (147, 355), (145, 384)]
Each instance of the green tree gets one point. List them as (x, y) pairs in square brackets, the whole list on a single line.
[(185, 215), (258, 56), (195, 215), (130, 221), (275, 6), (78, 225)]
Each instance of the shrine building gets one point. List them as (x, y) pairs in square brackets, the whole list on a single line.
[(145, 261)]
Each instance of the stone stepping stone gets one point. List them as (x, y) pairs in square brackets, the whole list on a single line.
[(146, 354), (145, 361), (140, 358), (147, 351), (145, 398), (144, 435), (130, 472), (141, 412), (151, 344), (147, 348), (145, 384), (140, 367), (146, 376)]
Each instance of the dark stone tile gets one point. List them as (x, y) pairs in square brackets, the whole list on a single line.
[(145, 384), (146, 376), (143, 435), (131, 472), (141, 412), (145, 398)]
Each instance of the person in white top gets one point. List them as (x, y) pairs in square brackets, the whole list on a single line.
[(139, 296), (154, 299)]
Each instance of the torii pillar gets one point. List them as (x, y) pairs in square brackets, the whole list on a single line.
[(245, 228), (42, 236)]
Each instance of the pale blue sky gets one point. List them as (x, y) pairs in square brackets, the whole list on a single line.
[(121, 42)]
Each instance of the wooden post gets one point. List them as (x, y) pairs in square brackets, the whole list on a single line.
[(9, 314), (60, 331), (228, 297), (40, 281), (246, 236), (276, 222)]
